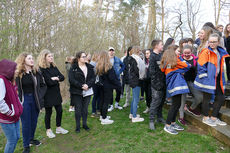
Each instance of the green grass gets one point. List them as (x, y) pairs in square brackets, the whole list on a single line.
[(122, 136)]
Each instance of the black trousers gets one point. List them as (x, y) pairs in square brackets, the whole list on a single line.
[(71, 101), (172, 113), (106, 94), (147, 91), (117, 98), (219, 100), (81, 109), (48, 113), (227, 61), (122, 85), (158, 99), (142, 88)]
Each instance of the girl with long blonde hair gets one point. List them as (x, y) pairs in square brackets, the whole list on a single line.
[(108, 81), (174, 67), (136, 74), (31, 90), (52, 97), (204, 35), (96, 89)]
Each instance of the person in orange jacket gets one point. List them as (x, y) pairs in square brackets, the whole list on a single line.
[(210, 78), (174, 67)]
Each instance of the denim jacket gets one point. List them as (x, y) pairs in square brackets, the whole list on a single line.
[(118, 66)]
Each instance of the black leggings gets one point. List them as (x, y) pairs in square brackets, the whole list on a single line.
[(105, 95), (48, 113), (219, 100), (147, 90), (81, 109), (176, 102)]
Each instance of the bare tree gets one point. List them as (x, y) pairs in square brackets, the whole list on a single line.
[(218, 6), (192, 11)]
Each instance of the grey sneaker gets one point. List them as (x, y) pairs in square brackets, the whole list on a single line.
[(170, 130), (209, 122), (177, 127), (219, 122), (151, 126)]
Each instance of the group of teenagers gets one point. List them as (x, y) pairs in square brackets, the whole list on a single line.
[(165, 71)]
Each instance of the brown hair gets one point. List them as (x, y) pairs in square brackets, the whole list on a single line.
[(155, 42), (183, 40), (226, 32), (77, 57), (103, 64), (169, 57), (135, 50)]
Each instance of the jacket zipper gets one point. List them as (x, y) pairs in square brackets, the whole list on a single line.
[(35, 91)]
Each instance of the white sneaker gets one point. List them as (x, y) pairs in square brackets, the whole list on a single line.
[(106, 121), (71, 110), (50, 134), (131, 116), (108, 117), (110, 108), (118, 106), (146, 111), (209, 121), (137, 119), (219, 122), (60, 130), (126, 105)]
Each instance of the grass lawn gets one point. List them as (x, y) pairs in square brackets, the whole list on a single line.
[(122, 136)]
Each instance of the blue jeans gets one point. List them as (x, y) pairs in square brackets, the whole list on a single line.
[(12, 133), (96, 98), (29, 119), (135, 100)]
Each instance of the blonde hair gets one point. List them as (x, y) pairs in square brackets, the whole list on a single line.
[(42, 59), (207, 32), (21, 69), (95, 56), (135, 50), (103, 63), (169, 57)]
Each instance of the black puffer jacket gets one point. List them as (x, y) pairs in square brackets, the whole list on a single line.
[(133, 73), (77, 78), (126, 70), (157, 76)]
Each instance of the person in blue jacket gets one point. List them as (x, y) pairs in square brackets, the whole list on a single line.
[(118, 67), (210, 78), (174, 68)]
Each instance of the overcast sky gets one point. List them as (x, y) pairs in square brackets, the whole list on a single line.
[(206, 8)]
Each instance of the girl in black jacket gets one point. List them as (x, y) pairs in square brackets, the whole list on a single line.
[(81, 78), (136, 74), (31, 90), (109, 81), (52, 97)]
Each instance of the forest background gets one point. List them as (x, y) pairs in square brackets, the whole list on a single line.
[(68, 26)]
